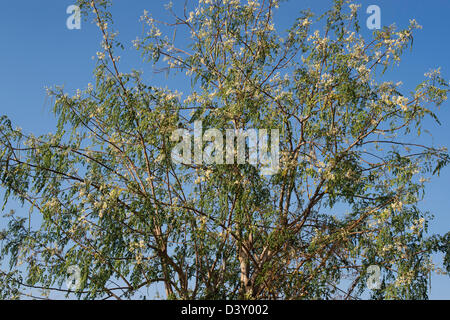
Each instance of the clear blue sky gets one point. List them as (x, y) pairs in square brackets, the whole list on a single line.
[(37, 50)]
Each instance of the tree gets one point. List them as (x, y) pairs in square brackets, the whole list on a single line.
[(109, 198)]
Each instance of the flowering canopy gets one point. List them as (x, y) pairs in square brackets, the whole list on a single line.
[(111, 200)]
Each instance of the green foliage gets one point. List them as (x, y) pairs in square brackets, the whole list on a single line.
[(111, 201)]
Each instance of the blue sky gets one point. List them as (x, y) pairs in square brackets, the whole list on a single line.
[(39, 51)]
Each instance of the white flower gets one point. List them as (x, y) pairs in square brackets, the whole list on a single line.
[(397, 205), (401, 101), (199, 180), (354, 8), (100, 55), (306, 22)]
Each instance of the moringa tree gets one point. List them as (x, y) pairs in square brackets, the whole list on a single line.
[(106, 196)]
